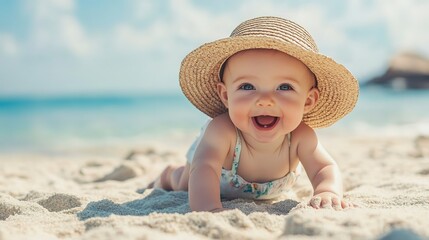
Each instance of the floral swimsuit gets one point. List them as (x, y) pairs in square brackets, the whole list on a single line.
[(233, 185)]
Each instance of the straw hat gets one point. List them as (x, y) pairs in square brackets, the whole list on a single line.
[(199, 72)]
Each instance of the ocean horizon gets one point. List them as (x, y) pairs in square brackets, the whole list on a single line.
[(43, 123)]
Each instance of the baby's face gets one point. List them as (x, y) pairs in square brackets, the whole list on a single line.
[(267, 92)]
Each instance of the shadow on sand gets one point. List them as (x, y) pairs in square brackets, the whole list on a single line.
[(160, 201)]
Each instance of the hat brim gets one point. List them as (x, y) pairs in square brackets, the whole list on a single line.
[(199, 75)]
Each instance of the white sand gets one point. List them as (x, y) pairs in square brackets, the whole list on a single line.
[(97, 194)]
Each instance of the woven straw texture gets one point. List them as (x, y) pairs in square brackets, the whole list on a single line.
[(199, 72)]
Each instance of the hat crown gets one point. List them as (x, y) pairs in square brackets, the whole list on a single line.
[(278, 28)]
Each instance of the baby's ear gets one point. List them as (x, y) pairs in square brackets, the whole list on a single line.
[(312, 97), (223, 94)]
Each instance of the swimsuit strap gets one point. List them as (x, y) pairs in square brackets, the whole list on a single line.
[(237, 151)]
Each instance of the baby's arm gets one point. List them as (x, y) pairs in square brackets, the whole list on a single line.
[(322, 171), (204, 176)]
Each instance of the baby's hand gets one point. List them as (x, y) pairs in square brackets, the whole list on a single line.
[(329, 200)]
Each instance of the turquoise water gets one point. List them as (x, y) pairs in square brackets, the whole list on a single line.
[(380, 107), (42, 123)]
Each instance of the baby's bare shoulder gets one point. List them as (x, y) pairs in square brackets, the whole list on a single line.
[(220, 130), (304, 139), (222, 124), (216, 142), (304, 132)]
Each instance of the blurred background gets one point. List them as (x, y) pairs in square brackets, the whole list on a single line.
[(76, 72)]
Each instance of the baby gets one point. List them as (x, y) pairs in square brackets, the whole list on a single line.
[(266, 88)]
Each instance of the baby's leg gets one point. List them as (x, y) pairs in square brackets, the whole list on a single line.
[(173, 178)]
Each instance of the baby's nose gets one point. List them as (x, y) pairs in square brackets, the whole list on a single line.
[(265, 100)]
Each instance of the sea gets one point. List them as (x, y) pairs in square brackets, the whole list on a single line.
[(44, 123)]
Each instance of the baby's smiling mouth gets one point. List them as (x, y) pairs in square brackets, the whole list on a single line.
[(265, 122)]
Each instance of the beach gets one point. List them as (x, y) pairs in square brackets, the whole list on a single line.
[(97, 100), (99, 192)]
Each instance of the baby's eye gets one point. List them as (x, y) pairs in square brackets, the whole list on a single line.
[(285, 87), (246, 86)]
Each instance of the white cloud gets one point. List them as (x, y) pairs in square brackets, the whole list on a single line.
[(74, 37), (192, 23), (9, 45), (130, 39), (143, 10), (408, 23), (55, 28), (181, 22)]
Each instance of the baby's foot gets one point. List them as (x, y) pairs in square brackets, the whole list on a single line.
[(163, 180), (151, 184), (155, 183)]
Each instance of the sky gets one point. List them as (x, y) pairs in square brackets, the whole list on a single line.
[(99, 47)]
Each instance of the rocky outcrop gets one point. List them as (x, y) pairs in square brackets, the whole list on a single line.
[(405, 71)]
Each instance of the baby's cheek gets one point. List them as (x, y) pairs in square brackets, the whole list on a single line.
[(293, 116), (238, 117)]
